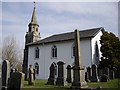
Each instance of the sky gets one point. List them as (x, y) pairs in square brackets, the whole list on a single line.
[(57, 17)]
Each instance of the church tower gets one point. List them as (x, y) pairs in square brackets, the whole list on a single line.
[(31, 36)]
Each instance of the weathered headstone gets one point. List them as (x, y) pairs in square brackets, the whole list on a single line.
[(69, 78), (34, 74), (94, 77), (31, 76), (60, 79), (115, 72), (16, 81), (78, 69), (12, 71), (86, 77), (52, 76), (5, 74), (111, 74), (89, 73), (106, 71), (104, 78)]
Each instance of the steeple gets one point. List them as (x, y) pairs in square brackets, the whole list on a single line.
[(33, 34), (34, 18)]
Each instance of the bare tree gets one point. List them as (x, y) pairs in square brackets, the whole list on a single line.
[(12, 52)]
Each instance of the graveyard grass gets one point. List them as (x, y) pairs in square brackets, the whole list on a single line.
[(42, 85)]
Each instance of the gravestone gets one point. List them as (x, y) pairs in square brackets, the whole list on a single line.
[(31, 76), (106, 71), (86, 77), (34, 74), (115, 72), (16, 81), (5, 74), (94, 77), (52, 76), (78, 69), (12, 71), (111, 74), (104, 78), (69, 78), (89, 73), (60, 79)]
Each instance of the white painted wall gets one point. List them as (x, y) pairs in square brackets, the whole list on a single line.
[(93, 42), (64, 54)]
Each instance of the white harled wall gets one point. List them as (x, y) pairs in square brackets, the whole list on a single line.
[(64, 53)]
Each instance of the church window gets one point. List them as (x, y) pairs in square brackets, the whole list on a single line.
[(36, 52), (37, 68), (36, 29), (54, 52), (73, 50)]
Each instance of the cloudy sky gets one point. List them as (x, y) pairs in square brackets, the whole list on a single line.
[(58, 17)]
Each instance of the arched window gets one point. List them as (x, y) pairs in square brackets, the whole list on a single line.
[(36, 52), (54, 52), (37, 68)]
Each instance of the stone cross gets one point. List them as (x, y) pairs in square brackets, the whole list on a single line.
[(60, 79), (52, 76), (94, 77), (31, 76), (78, 70), (5, 74), (69, 79)]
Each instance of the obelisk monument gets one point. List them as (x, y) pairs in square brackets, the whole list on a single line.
[(78, 70)]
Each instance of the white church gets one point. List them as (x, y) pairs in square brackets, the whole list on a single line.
[(41, 53)]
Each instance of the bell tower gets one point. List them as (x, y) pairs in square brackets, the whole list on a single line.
[(33, 34)]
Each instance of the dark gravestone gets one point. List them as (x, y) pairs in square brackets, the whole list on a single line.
[(12, 71), (31, 76), (115, 72), (78, 69), (118, 72), (69, 79), (94, 77), (106, 71), (104, 78), (5, 74), (86, 77), (89, 73), (16, 81), (111, 74), (52, 76), (60, 79), (34, 74)]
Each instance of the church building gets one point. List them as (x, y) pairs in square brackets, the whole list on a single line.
[(41, 53)]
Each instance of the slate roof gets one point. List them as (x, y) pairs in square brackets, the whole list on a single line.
[(89, 33)]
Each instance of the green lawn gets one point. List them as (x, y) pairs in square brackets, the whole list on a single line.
[(41, 84)]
